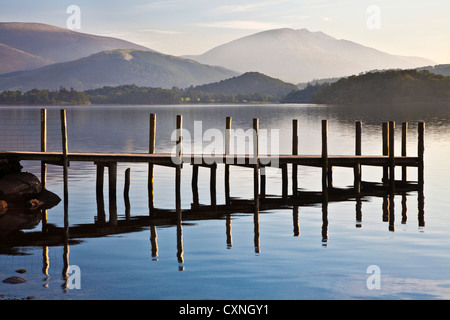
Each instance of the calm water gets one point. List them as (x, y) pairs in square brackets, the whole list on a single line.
[(274, 254)]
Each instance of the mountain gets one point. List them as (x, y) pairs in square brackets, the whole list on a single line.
[(300, 56), (12, 59), (115, 68), (248, 83), (41, 44)]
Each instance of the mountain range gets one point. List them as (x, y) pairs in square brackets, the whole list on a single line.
[(30, 45), (301, 55), (115, 68), (34, 55)]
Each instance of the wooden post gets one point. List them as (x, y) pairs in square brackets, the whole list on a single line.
[(420, 174), (194, 184), (126, 193), (179, 151), (324, 154), (99, 193), (212, 184), (43, 164), (43, 146), (151, 166), (385, 150), (256, 162), (112, 184), (295, 153), (358, 152), (420, 153), (391, 155), (65, 163), (404, 142), (227, 152)]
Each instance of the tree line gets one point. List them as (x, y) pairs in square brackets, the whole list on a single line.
[(125, 94)]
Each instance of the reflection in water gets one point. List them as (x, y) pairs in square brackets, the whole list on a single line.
[(87, 124), (66, 236)]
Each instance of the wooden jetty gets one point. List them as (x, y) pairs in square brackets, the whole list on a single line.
[(388, 161), (387, 188)]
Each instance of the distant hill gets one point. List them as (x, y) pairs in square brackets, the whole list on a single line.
[(304, 95), (394, 86), (115, 68), (45, 44), (443, 69), (302, 56), (12, 59), (249, 83)]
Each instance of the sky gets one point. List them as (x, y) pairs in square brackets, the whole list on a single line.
[(185, 27)]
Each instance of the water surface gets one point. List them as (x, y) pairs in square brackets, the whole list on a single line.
[(309, 252)]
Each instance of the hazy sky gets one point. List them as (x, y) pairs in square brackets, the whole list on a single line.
[(177, 27)]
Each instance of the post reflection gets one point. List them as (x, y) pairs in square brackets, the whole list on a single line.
[(176, 218)]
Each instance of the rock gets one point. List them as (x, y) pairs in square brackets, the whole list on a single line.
[(21, 270), (14, 280), (48, 199), (19, 186)]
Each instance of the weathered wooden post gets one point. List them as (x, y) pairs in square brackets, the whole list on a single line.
[(324, 154), (43, 146), (151, 166), (65, 164), (295, 153), (99, 192), (179, 151), (404, 152), (256, 162), (194, 184), (358, 152), (392, 155), (112, 185), (420, 174), (43, 164), (420, 153), (385, 150), (126, 193), (227, 152), (212, 184)]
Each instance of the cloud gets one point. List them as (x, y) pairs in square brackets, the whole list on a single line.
[(242, 25)]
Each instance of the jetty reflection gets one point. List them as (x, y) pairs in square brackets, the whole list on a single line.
[(51, 236)]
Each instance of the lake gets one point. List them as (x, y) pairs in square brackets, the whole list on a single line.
[(348, 251)]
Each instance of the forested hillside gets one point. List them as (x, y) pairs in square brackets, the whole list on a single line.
[(387, 87)]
